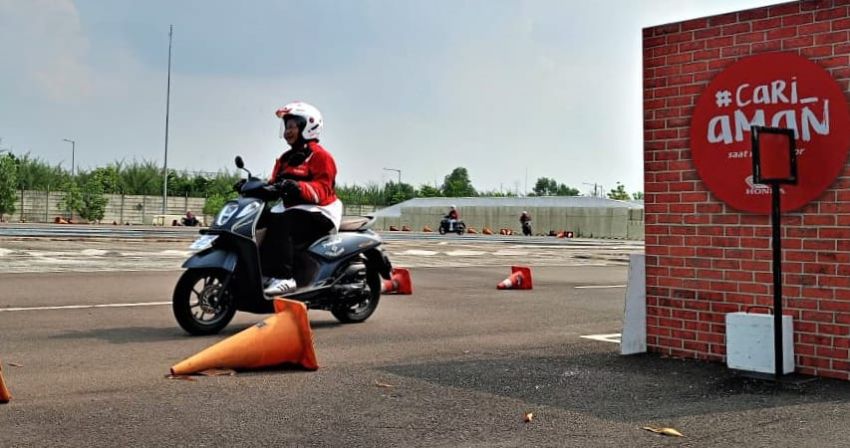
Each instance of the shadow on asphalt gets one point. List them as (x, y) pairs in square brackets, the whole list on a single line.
[(626, 389), (126, 335)]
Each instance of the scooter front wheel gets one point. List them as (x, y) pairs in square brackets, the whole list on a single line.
[(201, 303)]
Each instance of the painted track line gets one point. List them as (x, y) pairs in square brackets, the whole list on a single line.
[(83, 307), (600, 286)]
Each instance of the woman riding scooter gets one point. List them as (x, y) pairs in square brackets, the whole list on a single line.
[(306, 175)]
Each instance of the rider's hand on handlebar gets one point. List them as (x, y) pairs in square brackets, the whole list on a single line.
[(289, 189)]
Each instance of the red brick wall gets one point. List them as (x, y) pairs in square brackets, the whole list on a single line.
[(705, 259)]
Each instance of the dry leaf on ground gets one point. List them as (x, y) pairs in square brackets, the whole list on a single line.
[(665, 431), (385, 385), (529, 416), (218, 372)]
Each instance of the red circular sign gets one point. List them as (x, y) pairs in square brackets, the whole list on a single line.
[(780, 90)]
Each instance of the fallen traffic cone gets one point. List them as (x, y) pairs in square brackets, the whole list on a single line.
[(520, 278), (405, 228), (5, 395), (399, 283), (487, 231), (283, 338), (471, 230), (393, 229), (427, 229)]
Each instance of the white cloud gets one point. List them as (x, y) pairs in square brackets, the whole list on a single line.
[(44, 40)]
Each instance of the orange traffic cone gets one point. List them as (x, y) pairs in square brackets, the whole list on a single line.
[(399, 283), (520, 278), (393, 229), (283, 338), (487, 231), (471, 230), (427, 229), (5, 395), (405, 228)]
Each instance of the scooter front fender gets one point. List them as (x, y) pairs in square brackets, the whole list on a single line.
[(215, 258)]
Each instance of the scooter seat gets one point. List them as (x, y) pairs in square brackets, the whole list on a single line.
[(354, 223)]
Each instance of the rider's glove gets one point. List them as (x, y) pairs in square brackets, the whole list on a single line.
[(289, 189)]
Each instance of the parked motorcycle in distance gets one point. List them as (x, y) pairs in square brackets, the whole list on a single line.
[(341, 272), (460, 227)]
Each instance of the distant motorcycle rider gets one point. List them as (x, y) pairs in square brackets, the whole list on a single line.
[(453, 216), (525, 223), (306, 178)]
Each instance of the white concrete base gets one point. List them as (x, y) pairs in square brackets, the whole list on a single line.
[(749, 343), (634, 322)]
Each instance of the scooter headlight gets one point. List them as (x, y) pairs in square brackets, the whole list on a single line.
[(225, 214)]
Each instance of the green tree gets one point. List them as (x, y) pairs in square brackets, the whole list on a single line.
[(564, 190), (619, 193), (638, 195), (398, 193), (550, 187), (73, 199), (215, 203), (427, 191), (8, 184), (92, 204), (457, 184), (545, 187)]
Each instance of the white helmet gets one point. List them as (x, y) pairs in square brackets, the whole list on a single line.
[(312, 118)]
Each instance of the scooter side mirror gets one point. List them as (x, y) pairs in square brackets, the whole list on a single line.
[(239, 163)]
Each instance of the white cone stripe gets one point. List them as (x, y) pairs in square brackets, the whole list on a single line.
[(83, 307)]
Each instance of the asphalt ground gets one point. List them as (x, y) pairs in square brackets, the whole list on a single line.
[(457, 363)]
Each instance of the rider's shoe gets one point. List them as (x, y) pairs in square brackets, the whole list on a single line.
[(279, 287)]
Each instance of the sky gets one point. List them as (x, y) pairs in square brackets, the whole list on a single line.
[(510, 90)]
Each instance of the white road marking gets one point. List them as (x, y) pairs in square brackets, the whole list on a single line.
[(600, 286), (613, 338), (83, 307)]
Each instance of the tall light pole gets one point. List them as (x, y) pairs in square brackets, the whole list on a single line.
[(73, 147), (167, 110), (399, 176)]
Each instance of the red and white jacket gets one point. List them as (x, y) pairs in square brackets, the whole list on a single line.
[(315, 172)]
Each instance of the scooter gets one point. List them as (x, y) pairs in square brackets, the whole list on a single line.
[(341, 272), (460, 227)]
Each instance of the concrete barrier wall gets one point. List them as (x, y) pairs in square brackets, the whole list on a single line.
[(44, 206), (587, 222)]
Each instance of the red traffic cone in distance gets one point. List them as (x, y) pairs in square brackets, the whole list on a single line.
[(5, 395), (520, 278)]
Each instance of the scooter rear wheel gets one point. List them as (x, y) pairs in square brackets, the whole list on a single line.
[(361, 311), (200, 303)]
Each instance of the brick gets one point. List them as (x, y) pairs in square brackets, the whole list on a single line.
[(814, 28), (799, 19), (782, 33), (752, 14), (748, 38), (765, 47), (760, 25), (817, 52), (740, 50), (784, 9), (709, 33), (797, 42), (719, 42), (735, 28), (841, 24), (829, 14)]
